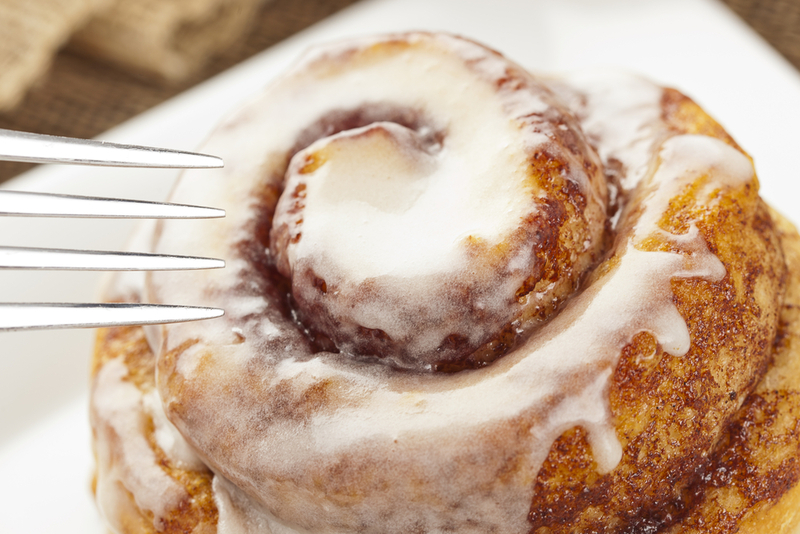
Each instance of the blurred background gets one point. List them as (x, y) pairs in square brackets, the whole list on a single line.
[(80, 67)]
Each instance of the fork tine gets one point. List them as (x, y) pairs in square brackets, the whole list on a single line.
[(24, 204), (28, 316), (93, 260), (38, 148), (27, 147)]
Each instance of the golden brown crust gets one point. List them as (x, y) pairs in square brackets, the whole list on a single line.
[(684, 116), (198, 513), (750, 485), (671, 410)]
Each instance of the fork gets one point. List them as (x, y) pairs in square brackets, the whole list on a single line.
[(37, 148)]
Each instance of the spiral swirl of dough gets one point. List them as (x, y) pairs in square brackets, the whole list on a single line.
[(413, 204)]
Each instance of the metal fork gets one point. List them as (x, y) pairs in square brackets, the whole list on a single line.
[(27, 147)]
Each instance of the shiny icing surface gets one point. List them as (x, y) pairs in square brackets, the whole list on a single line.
[(422, 450), (119, 411)]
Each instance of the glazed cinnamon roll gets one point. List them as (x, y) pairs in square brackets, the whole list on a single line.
[(460, 298)]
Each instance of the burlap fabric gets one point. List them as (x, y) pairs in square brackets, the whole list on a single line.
[(165, 39), (129, 55), (33, 30), (778, 21)]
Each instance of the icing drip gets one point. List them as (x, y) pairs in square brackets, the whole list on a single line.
[(125, 461)]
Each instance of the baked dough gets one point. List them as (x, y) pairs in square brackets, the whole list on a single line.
[(640, 377)]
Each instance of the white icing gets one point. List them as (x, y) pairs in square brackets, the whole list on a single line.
[(427, 448), (689, 158), (125, 461), (167, 436), (416, 213), (392, 200), (588, 334), (621, 113)]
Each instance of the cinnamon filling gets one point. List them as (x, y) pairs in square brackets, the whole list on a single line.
[(396, 252)]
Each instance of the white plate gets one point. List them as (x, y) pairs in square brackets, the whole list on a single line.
[(695, 45)]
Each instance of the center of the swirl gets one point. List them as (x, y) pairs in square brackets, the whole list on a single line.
[(416, 253)]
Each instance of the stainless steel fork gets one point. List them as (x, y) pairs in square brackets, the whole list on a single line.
[(27, 147)]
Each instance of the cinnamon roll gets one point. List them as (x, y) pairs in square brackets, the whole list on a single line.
[(461, 298)]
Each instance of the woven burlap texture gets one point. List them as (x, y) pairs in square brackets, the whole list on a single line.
[(164, 39), (32, 32)]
